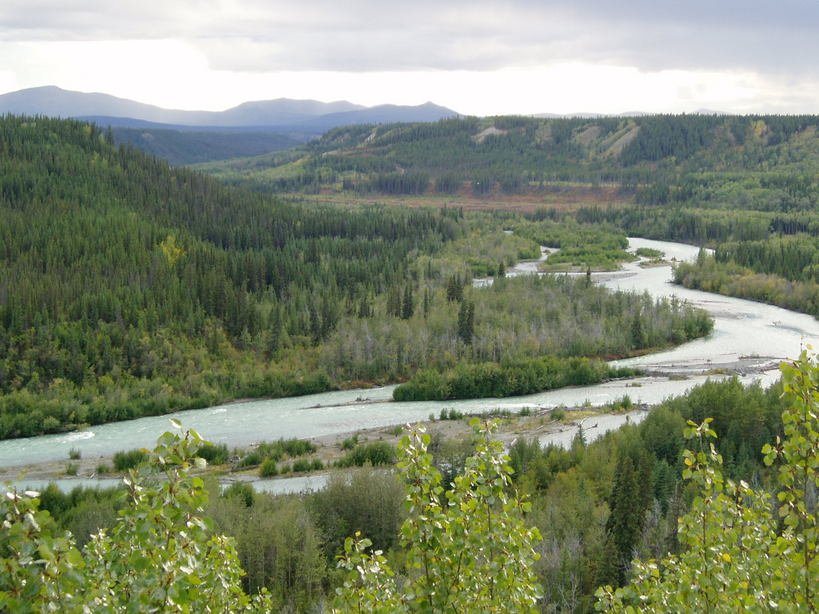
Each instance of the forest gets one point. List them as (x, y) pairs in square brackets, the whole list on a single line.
[(756, 162), (701, 179), (129, 288)]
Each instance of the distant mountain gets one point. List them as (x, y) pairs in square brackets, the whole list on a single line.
[(56, 102), (281, 114), (186, 137)]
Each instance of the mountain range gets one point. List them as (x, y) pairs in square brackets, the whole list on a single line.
[(279, 114)]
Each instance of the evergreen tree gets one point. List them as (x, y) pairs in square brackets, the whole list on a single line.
[(394, 302), (407, 305), (454, 289), (466, 322)]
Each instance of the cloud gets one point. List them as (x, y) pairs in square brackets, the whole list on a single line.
[(481, 35)]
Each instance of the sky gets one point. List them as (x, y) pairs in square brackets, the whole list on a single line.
[(477, 57)]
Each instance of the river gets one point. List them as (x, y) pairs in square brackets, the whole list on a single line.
[(750, 338)]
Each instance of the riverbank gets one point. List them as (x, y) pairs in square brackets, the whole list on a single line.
[(536, 423)]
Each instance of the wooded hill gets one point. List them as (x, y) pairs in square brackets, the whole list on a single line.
[(665, 157), (128, 288)]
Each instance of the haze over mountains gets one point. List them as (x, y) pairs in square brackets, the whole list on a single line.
[(304, 115)]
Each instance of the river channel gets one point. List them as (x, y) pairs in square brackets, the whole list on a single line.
[(749, 339)]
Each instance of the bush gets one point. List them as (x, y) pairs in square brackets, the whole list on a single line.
[(269, 468), (376, 453), (302, 465), (241, 491), (451, 414), (136, 566), (366, 500), (74, 454), (214, 454), (254, 458), (350, 442), (128, 460)]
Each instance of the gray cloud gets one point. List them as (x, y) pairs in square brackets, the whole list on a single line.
[(374, 35)]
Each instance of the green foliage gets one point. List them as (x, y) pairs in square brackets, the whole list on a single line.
[(350, 442), (514, 319), (670, 157), (365, 499), (647, 252), (142, 290), (467, 547), (275, 451), (269, 468), (478, 380), (159, 556), (180, 147), (781, 272), (214, 454), (737, 556), (375, 453), (450, 413), (130, 459), (241, 491), (279, 548), (580, 245)]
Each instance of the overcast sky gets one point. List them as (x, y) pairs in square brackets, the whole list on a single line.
[(480, 57)]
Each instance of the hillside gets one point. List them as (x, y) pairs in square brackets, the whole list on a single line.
[(658, 158), (181, 147), (128, 288)]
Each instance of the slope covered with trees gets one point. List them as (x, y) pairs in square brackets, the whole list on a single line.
[(128, 288), (758, 160)]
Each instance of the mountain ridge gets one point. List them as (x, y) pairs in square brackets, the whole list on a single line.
[(309, 115)]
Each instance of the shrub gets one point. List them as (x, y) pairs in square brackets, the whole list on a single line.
[(269, 468), (302, 465), (376, 453), (214, 454), (350, 442), (242, 491), (128, 460)]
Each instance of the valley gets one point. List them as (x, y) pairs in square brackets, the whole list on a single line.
[(299, 307)]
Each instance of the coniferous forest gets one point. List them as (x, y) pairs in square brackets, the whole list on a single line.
[(130, 288)]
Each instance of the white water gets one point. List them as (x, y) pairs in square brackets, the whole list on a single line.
[(747, 336)]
